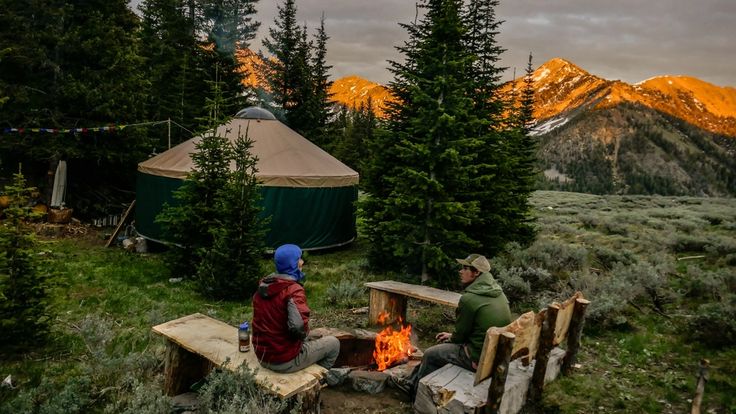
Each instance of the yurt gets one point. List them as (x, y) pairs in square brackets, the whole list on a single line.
[(308, 194)]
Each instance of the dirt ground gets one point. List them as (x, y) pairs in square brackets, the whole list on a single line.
[(345, 400)]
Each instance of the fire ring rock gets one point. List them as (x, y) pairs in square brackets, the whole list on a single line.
[(372, 382)]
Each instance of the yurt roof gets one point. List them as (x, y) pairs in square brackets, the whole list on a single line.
[(285, 158)]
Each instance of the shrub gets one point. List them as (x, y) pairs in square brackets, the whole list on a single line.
[(228, 392), (609, 298), (607, 256), (638, 284), (138, 398), (712, 285), (346, 293), (555, 256), (714, 324), (520, 282)]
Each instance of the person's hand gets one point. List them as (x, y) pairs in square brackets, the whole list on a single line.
[(443, 337)]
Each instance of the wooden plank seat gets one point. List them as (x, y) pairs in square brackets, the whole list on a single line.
[(388, 299), (515, 363), (197, 343)]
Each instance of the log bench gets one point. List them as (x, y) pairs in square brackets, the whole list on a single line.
[(515, 363), (197, 343), (388, 300)]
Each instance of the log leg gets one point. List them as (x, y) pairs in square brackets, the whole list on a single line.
[(546, 343), (182, 369), (499, 370), (391, 304), (308, 400), (573, 335)]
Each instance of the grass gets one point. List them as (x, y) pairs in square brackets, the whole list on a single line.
[(639, 354)]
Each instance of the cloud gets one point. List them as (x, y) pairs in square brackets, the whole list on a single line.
[(631, 40)]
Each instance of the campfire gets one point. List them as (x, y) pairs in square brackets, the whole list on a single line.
[(392, 346)]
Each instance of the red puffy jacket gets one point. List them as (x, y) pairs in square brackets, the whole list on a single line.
[(276, 338)]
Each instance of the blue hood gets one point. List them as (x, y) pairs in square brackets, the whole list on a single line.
[(286, 258)]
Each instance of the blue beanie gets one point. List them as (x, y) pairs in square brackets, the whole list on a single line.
[(286, 258)]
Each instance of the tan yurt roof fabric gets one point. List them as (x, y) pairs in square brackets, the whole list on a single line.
[(285, 158)]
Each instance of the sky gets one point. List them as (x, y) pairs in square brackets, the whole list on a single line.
[(628, 40)]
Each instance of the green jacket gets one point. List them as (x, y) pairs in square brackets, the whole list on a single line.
[(482, 305)]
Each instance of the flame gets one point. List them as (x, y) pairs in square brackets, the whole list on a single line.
[(392, 346)]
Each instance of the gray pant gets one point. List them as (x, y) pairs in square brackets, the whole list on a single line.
[(436, 357), (322, 351)]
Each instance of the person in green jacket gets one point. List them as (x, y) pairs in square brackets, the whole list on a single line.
[(482, 305)]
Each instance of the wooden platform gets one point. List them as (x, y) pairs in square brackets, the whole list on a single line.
[(217, 342), (389, 298)]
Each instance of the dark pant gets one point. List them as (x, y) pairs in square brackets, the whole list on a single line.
[(438, 356)]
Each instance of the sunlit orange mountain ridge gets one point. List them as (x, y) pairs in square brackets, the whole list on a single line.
[(352, 91), (561, 86)]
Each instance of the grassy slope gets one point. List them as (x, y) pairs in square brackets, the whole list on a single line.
[(102, 356)]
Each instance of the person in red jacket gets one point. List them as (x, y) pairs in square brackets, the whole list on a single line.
[(281, 319)]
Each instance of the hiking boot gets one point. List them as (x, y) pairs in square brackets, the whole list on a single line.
[(402, 384)]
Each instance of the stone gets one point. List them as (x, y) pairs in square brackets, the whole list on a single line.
[(186, 402), (372, 382), (403, 370), (336, 376)]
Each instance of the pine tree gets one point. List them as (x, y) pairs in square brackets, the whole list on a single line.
[(187, 224), (280, 71), (24, 315), (321, 98), (231, 267), (523, 151), (415, 214), (494, 182), (76, 65), (296, 74), (301, 116)]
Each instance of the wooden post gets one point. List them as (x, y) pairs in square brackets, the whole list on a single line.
[(309, 400), (546, 343), (573, 335), (499, 372), (182, 369), (391, 303), (123, 220), (700, 389)]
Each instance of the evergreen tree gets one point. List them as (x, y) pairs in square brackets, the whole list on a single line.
[(188, 44), (494, 182), (231, 267), (301, 116), (24, 317), (321, 97), (280, 72), (416, 210), (296, 75), (187, 225), (216, 226), (523, 154), (77, 65)]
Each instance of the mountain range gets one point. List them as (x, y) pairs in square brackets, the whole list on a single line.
[(673, 135)]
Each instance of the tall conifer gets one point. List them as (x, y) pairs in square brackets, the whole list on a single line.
[(417, 219)]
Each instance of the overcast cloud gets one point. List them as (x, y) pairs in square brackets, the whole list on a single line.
[(630, 40)]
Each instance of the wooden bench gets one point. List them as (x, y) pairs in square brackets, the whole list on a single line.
[(197, 343), (515, 363), (388, 299)]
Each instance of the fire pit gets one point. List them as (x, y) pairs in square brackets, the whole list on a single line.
[(368, 359)]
